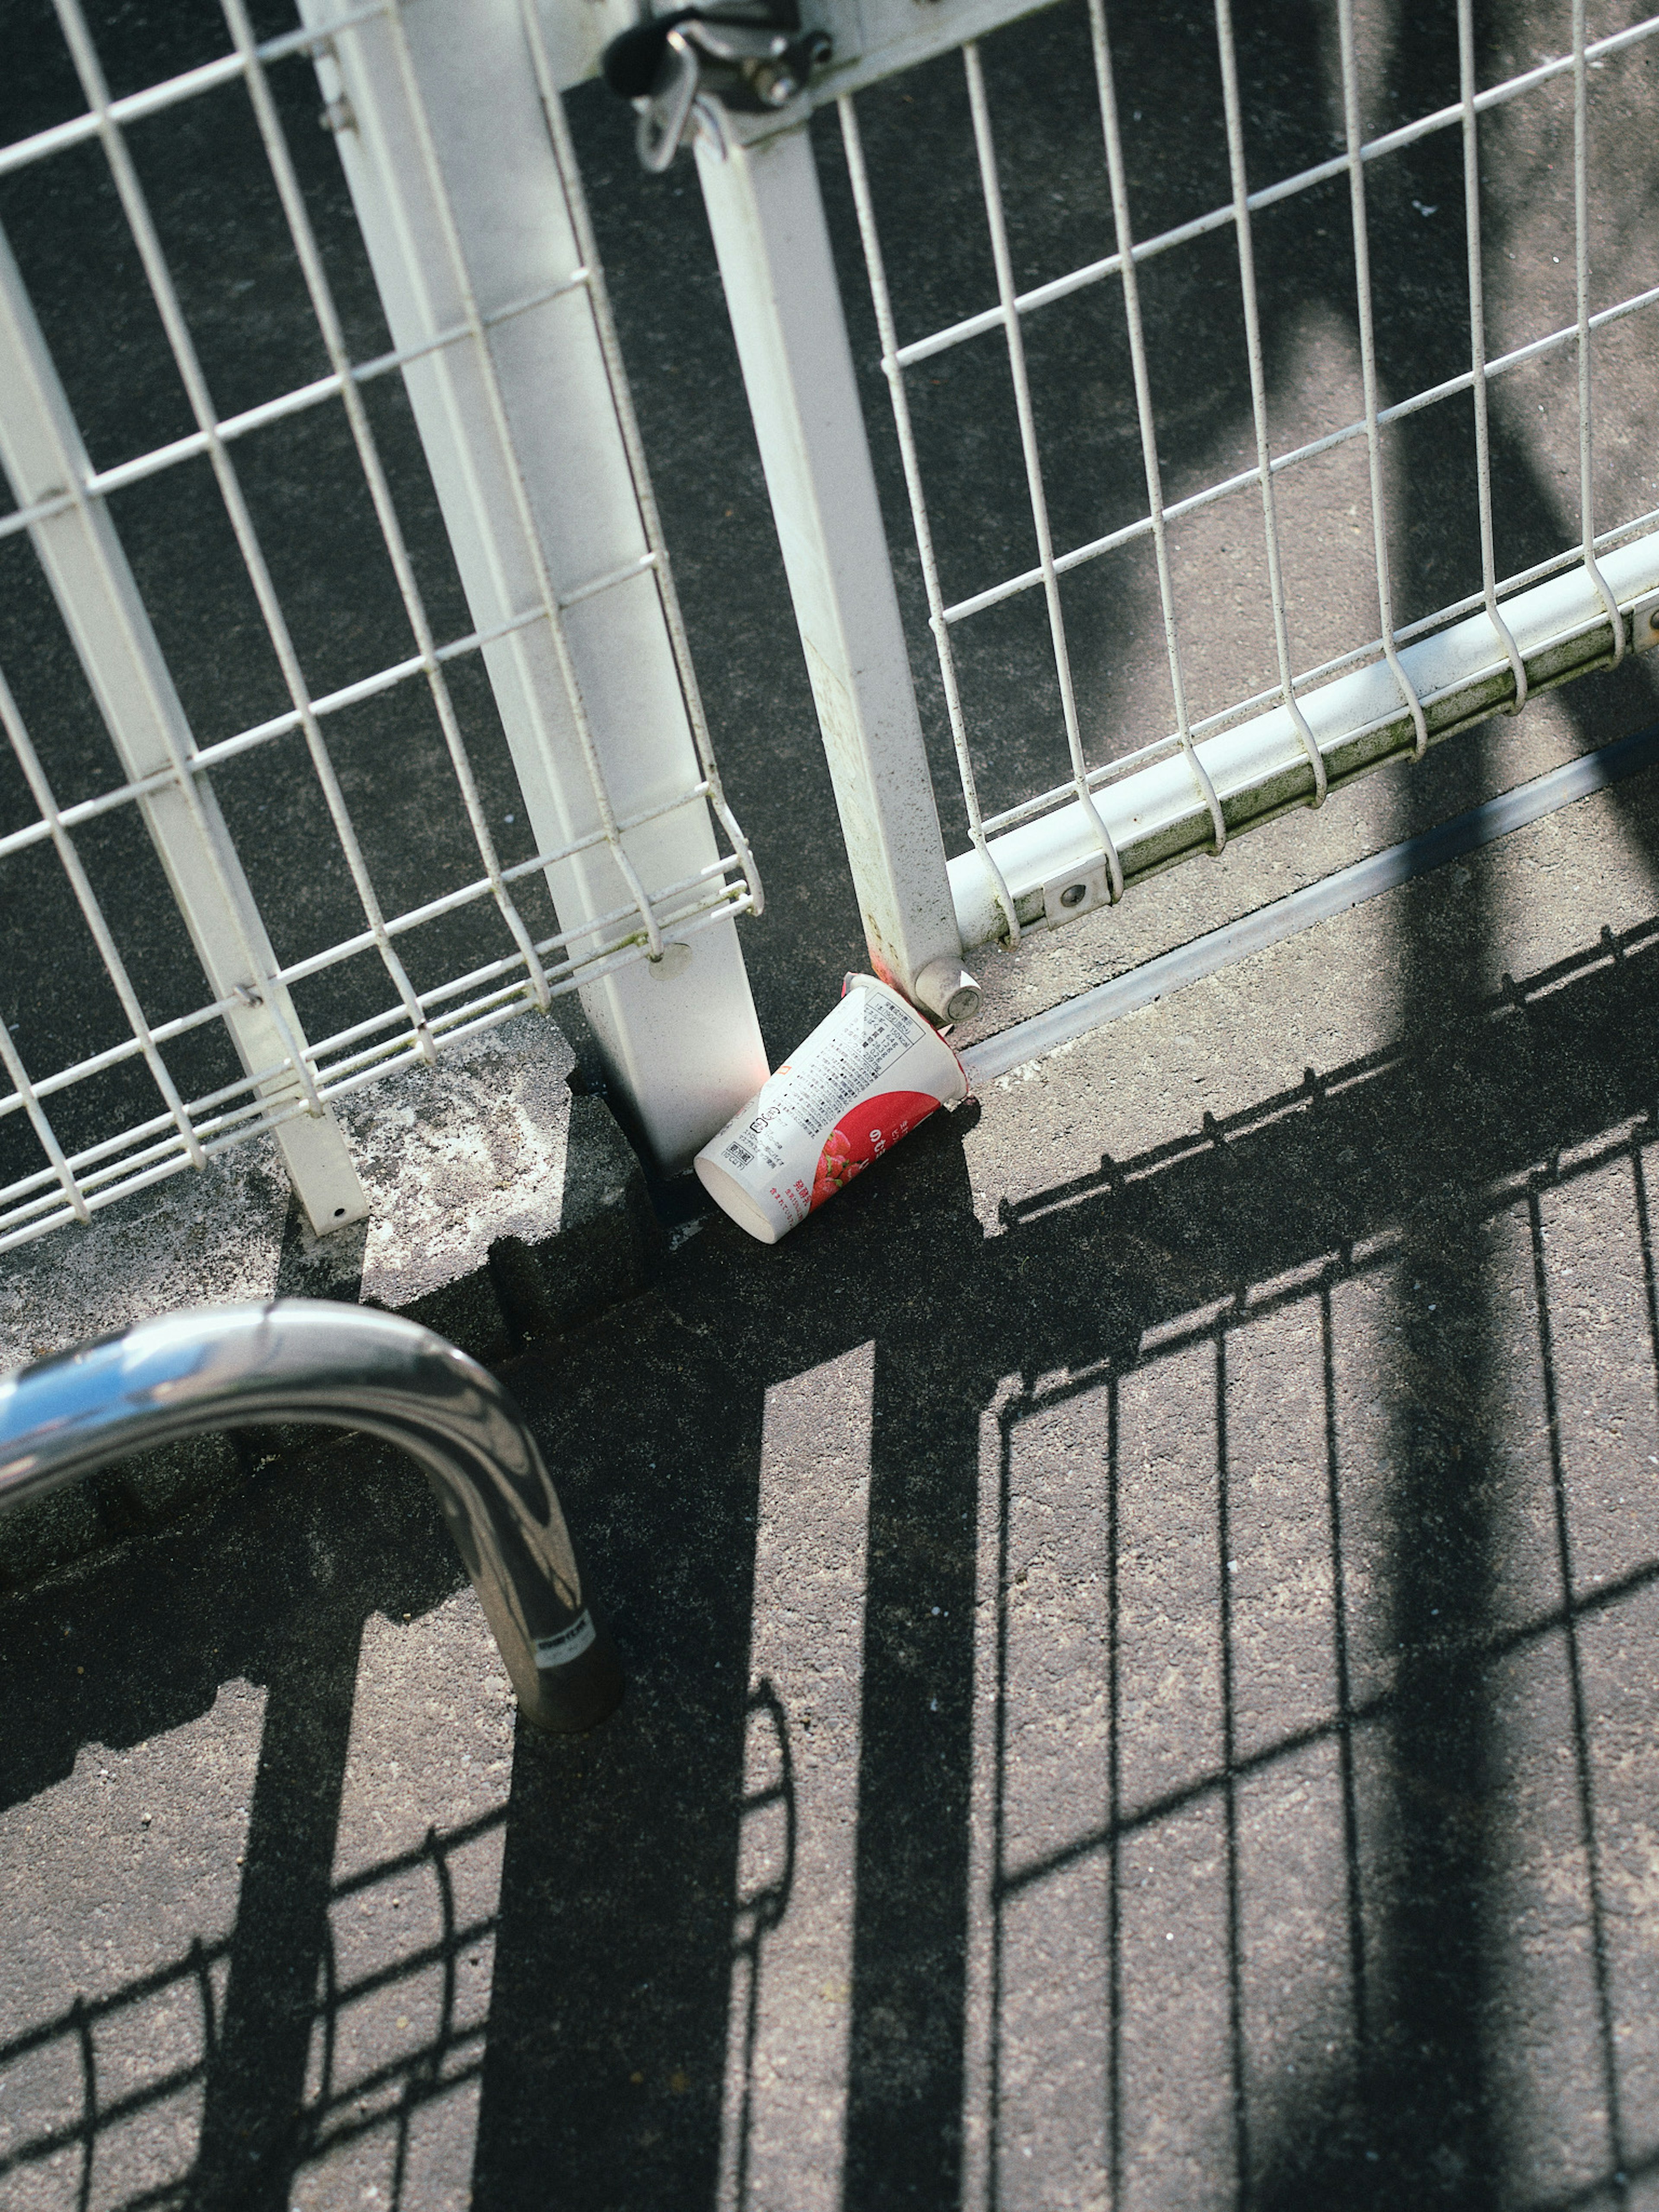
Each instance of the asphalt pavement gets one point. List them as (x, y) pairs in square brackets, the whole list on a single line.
[(1140, 1616)]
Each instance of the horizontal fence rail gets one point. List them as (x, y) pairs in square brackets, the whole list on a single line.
[(1256, 769), (681, 886)]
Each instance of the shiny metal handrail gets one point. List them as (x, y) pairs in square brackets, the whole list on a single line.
[(302, 1359)]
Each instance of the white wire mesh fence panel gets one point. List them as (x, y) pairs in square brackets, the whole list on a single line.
[(1317, 346), (205, 411)]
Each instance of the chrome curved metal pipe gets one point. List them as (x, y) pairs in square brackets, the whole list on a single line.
[(302, 1359)]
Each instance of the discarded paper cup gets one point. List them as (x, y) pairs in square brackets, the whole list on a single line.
[(867, 1074)]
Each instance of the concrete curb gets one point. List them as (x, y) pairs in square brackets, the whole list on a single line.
[(505, 1207)]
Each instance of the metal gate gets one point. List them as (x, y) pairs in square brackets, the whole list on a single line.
[(1104, 814), (578, 849)]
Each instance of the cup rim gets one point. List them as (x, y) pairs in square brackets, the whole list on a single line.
[(729, 1194)]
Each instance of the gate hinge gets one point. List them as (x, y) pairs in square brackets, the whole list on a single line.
[(751, 56)]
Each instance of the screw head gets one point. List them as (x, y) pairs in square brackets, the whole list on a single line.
[(1074, 893), (945, 991)]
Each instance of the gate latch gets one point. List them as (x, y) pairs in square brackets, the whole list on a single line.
[(750, 55)]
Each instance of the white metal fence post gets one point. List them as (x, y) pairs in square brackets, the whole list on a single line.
[(44, 458), (470, 212), (784, 298)]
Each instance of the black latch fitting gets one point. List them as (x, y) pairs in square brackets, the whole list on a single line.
[(752, 56)]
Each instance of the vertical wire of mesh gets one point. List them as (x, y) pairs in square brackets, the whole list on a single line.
[(1581, 259), (1478, 346), (1363, 305), (11, 1061), (1114, 136), (546, 595), (1225, 40), (333, 336), (599, 300), (1008, 295), (136, 208), (92, 912), (892, 368)]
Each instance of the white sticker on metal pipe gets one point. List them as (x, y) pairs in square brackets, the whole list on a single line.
[(569, 1644)]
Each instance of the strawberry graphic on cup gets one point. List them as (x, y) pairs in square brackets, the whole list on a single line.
[(864, 1134)]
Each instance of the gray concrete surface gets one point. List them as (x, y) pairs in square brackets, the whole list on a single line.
[(1140, 1616), (452, 1157)]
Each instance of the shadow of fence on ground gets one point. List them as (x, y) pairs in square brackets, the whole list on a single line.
[(1408, 1192), (328, 2108), (1374, 1256)]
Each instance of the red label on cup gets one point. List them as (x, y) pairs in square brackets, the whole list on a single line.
[(864, 1134)]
